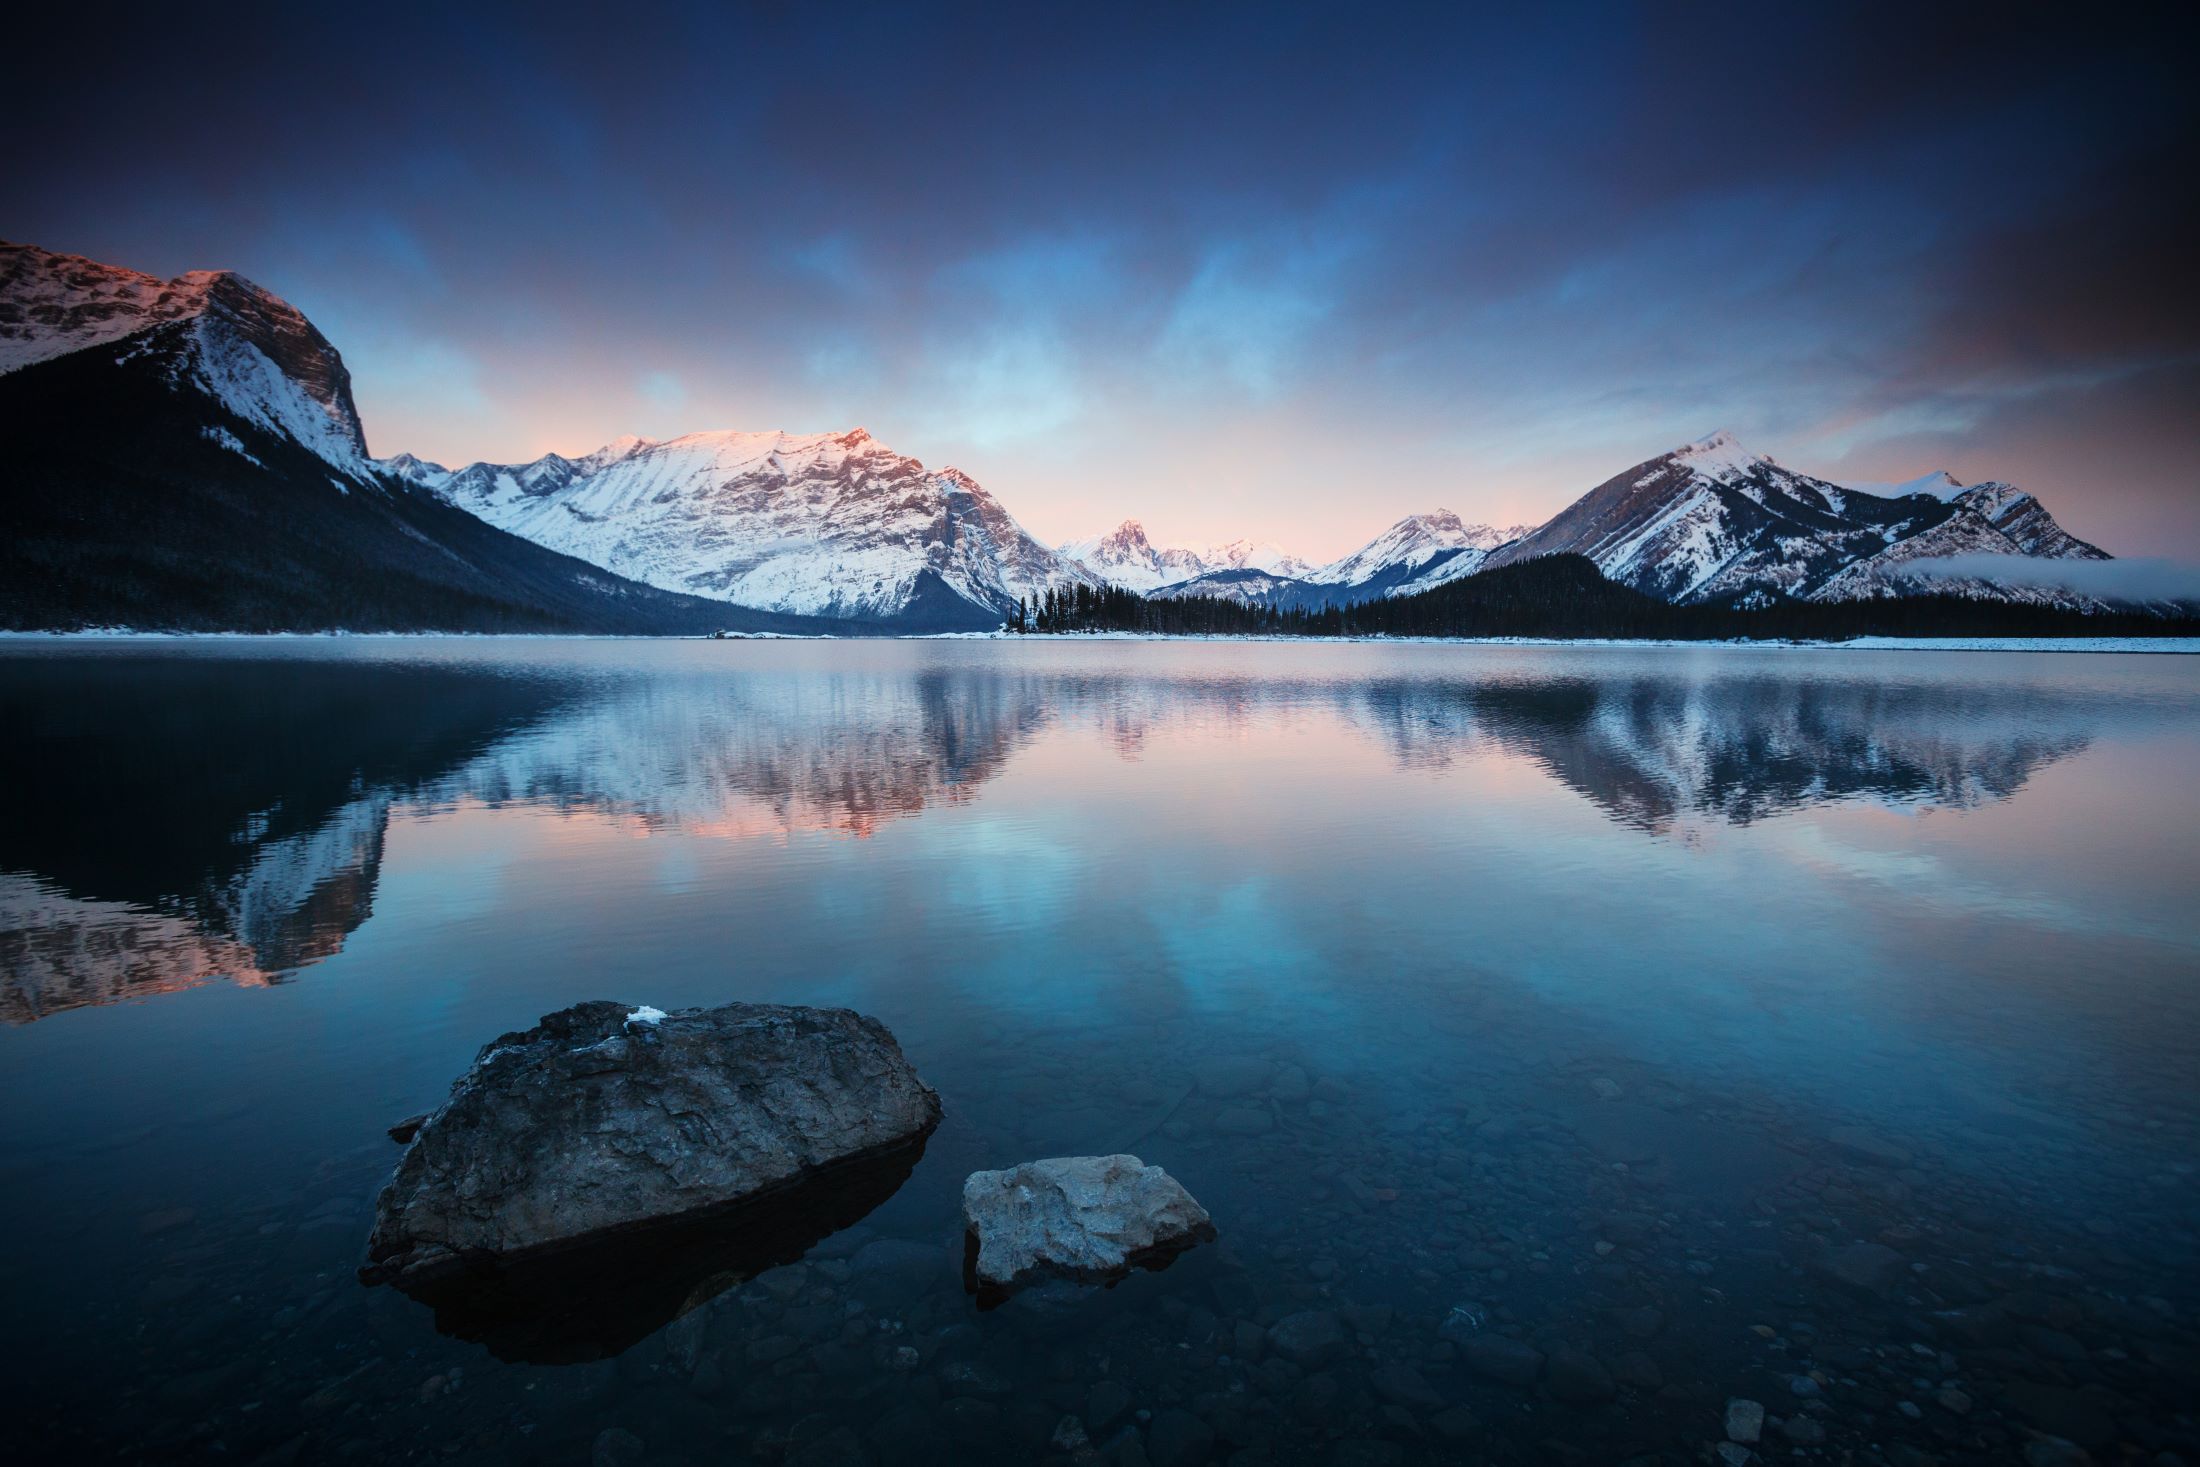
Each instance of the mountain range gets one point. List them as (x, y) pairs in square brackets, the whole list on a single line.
[(833, 525), (186, 453), (1419, 553), (1125, 557), (1713, 522)]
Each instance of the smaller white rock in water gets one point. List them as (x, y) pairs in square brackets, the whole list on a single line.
[(1088, 1217), (645, 1015)]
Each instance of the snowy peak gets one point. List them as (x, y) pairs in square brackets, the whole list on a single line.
[(1411, 543), (1940, 484), (53, 304), (2025, 522), (1255, 555), (1719, 455), (1994, 500), (1711, 521), (1124, 556), (824, 524), (248, 347), (1249, 585), (417, 472), (1127, 542)]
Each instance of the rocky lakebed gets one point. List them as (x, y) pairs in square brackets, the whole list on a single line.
[(1607, 1267)]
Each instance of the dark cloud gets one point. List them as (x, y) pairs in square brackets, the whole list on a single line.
[(1512, 245)]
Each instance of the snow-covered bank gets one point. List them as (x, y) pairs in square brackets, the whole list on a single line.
[(1861, 644), (2187, 645)]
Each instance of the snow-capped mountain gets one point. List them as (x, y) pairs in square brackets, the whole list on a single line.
[(185, 454), (1250, 586), (1939, 483), (1712, 521), (1990, 519), (827, 525), (1415, 554), (1419, 552), (244, 346), (1411, 544), (1254, 555), (2024, 522), (1125, 557)]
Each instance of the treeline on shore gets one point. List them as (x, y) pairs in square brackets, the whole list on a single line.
[(1567, 596)]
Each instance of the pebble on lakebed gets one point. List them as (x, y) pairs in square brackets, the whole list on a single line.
[(1091, 1218)]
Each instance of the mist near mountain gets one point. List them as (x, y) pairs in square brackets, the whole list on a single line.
[(2126, 579)]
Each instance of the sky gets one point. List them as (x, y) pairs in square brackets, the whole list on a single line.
[(1272, 270)]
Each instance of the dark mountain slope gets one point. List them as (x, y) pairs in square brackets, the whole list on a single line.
[(131, 495)]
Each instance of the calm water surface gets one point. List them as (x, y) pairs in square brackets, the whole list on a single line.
[(1815, 1028)]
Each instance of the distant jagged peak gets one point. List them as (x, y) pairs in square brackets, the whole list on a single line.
[(618, 450), (1717, 454), (731, 453), (1126, 541), (1413, 541), (2025, 522), (1991, 497), (1939, 484), (1131, 534), (1257, 555), (1450, 528)]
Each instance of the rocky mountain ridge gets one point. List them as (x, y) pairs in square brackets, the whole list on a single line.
[(186, 455), (1712, 521), (210, 379), (833, 525), (1125, 557)]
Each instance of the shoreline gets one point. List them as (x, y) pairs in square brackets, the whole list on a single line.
[(2169, 646)]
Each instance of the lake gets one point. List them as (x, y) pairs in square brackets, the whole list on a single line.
[(1587, 1037)]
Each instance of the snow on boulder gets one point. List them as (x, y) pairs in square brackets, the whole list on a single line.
[(1092, 1218), (606, 1117)]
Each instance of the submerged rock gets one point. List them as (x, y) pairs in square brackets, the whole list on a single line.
[(1310, 1338), (1868, 1268), (1083, 1217), (604, 1118)]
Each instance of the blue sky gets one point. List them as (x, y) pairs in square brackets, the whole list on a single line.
[(1276, 270)]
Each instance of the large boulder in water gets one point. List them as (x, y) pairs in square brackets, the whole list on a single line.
[(606, 1118), (1092, 1218)]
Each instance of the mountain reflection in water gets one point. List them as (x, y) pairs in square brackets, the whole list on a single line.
[(1694, 1020), (200, 818)]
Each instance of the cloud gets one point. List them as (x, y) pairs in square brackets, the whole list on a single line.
[(2140, 579), (1296, 275)]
